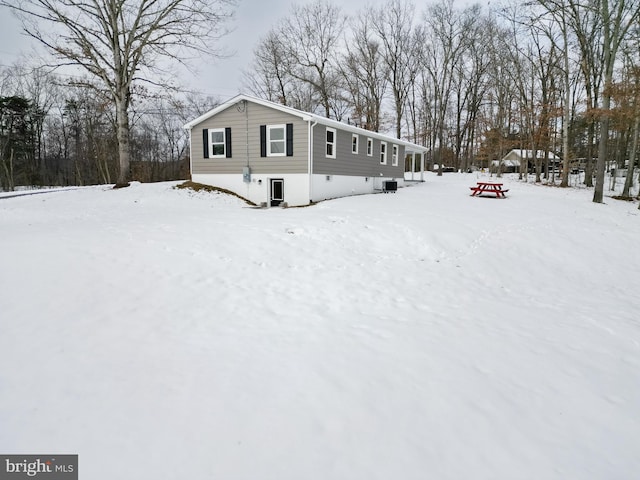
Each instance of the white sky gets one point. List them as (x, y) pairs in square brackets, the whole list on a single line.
[(253, 20)]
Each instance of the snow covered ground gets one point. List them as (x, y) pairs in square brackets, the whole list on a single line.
[(165, 334)]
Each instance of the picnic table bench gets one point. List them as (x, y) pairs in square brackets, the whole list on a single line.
[(489, 187)]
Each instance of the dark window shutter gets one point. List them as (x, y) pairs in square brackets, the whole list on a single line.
[(263, 140), (227, 142), (205, 143), (289, 139)]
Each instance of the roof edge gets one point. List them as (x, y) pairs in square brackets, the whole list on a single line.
[(308, 117), (242, 97)]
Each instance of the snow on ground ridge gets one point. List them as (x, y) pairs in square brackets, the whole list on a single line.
[(387, 336)]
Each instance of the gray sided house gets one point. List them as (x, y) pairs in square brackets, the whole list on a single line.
[(273, 154)]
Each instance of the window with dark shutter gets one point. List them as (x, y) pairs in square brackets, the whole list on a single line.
[(217, 143), (289, 139), (227, 141), (263, 140), (205, 143), (276, 140)]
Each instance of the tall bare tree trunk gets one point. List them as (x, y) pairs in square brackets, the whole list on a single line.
[(566, 118), (123, 132), (588, 168), (598, 193), (632, 158), (8, 170)]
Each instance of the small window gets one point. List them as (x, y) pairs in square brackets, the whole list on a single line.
[(354, 143), (276, 140), (394, 155), (383, 153), (216, 143), (370, 147), (331, 143)]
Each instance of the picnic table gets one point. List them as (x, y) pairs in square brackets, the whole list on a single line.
[(489, 187)]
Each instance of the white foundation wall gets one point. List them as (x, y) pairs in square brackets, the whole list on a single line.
[(296, 186), (335, 186)]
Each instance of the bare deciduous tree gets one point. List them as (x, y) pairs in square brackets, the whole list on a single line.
[(269, 76), (119, 41), (561, 16), (444, 54), (296, 63), (618, 16), (470, 81), (311, 36), (393, 23), (365, 73)]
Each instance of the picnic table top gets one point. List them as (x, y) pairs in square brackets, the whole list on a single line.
[(489, 187), (490, 183)]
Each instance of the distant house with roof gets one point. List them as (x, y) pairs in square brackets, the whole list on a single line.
[(513, 160), (273, 154)]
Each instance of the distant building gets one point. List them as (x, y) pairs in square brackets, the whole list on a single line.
[(512, 161)]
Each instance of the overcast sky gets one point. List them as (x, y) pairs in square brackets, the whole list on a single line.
[(222, 79)]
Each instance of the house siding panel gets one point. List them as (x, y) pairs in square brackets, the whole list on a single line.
[(351, 164), (236, 120)]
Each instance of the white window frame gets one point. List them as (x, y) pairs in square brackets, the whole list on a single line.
[(213, 131), (355, 143), (383, 153), (394, 155), (284, 140), (333, 144), (369, 147)]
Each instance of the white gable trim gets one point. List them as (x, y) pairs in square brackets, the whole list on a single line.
[(238, 98)]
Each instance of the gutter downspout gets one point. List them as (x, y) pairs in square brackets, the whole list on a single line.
[(310, 162), (245, 104), (190, 156)]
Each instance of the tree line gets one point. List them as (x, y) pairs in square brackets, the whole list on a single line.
[(123, 47), (53, 132), (470, 83)]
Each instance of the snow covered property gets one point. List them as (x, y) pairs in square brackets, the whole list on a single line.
[(164, 334), (273, 154)]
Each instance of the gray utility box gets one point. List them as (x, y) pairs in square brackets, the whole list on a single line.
[(390, 186)]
